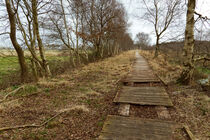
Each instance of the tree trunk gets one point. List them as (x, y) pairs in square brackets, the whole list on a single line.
[(39, 40), (34, 70), (188, 63), (157, 47), (20, 53)]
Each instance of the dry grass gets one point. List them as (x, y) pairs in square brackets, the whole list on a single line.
[(191, 105), (75, 107), (169, 72), (10, 104), (86, 93), (9, 52)]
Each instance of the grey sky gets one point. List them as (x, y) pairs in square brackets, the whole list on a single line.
[(135, 7)]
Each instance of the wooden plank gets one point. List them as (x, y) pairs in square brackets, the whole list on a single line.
[(143, 96), (146, 102), (134, 124), (136, 120), (141, 80), (149, 75), (146, 90), (124, 128)]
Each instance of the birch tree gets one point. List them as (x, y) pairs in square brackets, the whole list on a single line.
[(188, 63), (189, 59), (12, 19)]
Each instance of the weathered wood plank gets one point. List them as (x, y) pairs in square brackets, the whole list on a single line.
[(136, 120), (143, 96), (147, 102), (135, 80), (146, 90), (124, 128)]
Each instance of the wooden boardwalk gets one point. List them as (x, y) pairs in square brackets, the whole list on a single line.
[(143, 96), (124, 128), (141, 72), (130, 128)]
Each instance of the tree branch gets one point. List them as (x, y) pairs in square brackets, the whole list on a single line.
[(201, 16), (4, 33), (202, 58), (30, 125), (14, 91)]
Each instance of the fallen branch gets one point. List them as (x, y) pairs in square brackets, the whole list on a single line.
[(12, 92), (30, 125), (189, 133), (202, 58), (165, 84)]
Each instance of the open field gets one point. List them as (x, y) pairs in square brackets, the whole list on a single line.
[(9, 64), (11, 52), (9, 61)]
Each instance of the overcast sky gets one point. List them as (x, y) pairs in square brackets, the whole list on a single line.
[(135, 7)]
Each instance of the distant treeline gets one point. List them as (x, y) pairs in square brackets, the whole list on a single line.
[(201, 47)]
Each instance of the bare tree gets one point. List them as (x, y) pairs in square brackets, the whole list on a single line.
[(187, 74), (161, 13), (143, 40), (88, 23), (12, 19), (45, 65), (189, 43), (27, 21)]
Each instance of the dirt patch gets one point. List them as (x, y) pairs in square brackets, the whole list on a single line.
[(148, 112)]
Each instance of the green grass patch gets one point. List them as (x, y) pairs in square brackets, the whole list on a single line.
[(28, 89), (8, 65), (204, 70)]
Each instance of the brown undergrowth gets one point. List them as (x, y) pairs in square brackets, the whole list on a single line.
[(191, 104), (85, 96)]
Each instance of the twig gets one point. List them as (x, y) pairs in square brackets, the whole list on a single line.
[(4, 33), (165, 84), (189, 133), (201, 16), (202, 58), (14, 91), (117, 81), (30, 125)]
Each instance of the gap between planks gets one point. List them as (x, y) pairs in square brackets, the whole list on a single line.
[(124, 109)]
